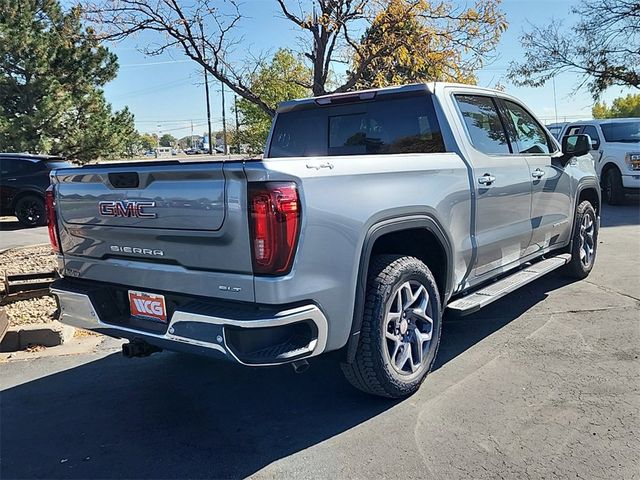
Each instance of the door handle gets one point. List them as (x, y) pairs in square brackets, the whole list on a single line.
[(486, 179), (537, 173)]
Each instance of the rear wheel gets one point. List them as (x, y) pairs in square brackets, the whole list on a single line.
[(400, 330), (613, 188), (585, 242), (30, 211)]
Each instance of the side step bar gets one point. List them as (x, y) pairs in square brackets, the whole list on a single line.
[(475, 301)]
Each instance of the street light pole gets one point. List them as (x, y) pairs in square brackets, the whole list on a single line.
[(237, 125), (206, 88), (224, 122)]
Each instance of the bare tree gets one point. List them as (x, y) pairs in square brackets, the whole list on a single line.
[(332, 31), (203, 31), (604, 48)]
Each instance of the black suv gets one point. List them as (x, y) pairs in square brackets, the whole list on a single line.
[(23, 181)]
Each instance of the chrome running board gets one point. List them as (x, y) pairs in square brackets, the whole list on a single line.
[(490, 293)]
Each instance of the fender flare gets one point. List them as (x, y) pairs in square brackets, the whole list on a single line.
[(584, 184), (607, 163), (23, 193), (383, 227)]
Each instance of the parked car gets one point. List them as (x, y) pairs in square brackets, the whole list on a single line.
[(615, 145), (556, 129), (370, 213), (23, 181)]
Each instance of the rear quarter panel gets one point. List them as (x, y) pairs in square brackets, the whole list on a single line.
[(342, 203)]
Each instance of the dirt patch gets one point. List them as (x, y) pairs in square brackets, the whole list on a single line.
[(80, 333)]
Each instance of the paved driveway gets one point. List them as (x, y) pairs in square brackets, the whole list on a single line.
[(12, 234), (544, 383)]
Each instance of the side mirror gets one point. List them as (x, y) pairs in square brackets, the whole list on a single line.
[(575, 146)]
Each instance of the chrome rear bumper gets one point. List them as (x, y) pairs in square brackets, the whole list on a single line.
[(203, 332)]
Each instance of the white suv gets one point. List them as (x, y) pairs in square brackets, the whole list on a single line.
[(616, 153)]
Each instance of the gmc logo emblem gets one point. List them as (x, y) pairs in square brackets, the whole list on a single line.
[(125, 208)]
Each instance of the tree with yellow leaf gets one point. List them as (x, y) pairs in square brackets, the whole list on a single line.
[(621, 107), (417, 41)]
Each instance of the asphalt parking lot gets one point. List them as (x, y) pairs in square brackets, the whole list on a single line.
[(544, 383), (13, 235)]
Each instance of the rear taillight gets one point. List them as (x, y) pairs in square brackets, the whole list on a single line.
[(274, 222), (50, 207)]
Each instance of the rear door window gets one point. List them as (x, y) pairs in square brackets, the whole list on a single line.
[(15, 167), (384, 126), (483, 123)]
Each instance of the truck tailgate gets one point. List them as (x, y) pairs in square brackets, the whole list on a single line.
[(178, 198), (187, 218)]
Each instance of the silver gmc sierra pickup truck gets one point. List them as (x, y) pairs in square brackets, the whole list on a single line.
[(370, 214)]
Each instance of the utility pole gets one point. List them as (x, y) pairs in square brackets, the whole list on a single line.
[(206, 88), (555, 103), (224, 122), (191, 137), (237, 125)]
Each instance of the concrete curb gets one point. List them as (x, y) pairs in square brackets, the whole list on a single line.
[(49, 334)]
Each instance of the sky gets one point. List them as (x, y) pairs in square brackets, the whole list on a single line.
[(166, 93)]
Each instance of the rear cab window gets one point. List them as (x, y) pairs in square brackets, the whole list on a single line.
[(385, 125)]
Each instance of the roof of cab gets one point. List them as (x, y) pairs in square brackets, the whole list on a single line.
[(604, 121), (429, 87)]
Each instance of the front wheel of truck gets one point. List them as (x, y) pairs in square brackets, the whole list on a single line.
[(400, 330), (585, 242)]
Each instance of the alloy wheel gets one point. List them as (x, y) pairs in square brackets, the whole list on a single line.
[(31, 212), (408, 328), (587, 241)]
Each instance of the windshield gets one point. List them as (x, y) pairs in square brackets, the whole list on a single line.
[(625, 132)]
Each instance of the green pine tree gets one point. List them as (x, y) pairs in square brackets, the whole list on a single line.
[(52, 70)]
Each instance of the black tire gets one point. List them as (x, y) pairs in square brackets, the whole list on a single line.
[(613, 188), (373, 370), (578, 267), (30, 211)]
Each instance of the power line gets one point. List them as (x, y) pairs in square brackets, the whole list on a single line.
[(174, 122), (186, 127), (146, 64), (153, 89), (171, 121)]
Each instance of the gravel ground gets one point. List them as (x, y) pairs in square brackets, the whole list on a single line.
[(34, 310), (29, 260)]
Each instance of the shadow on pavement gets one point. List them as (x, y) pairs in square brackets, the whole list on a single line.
[(176, 416), (11, 225), (620, 215)]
